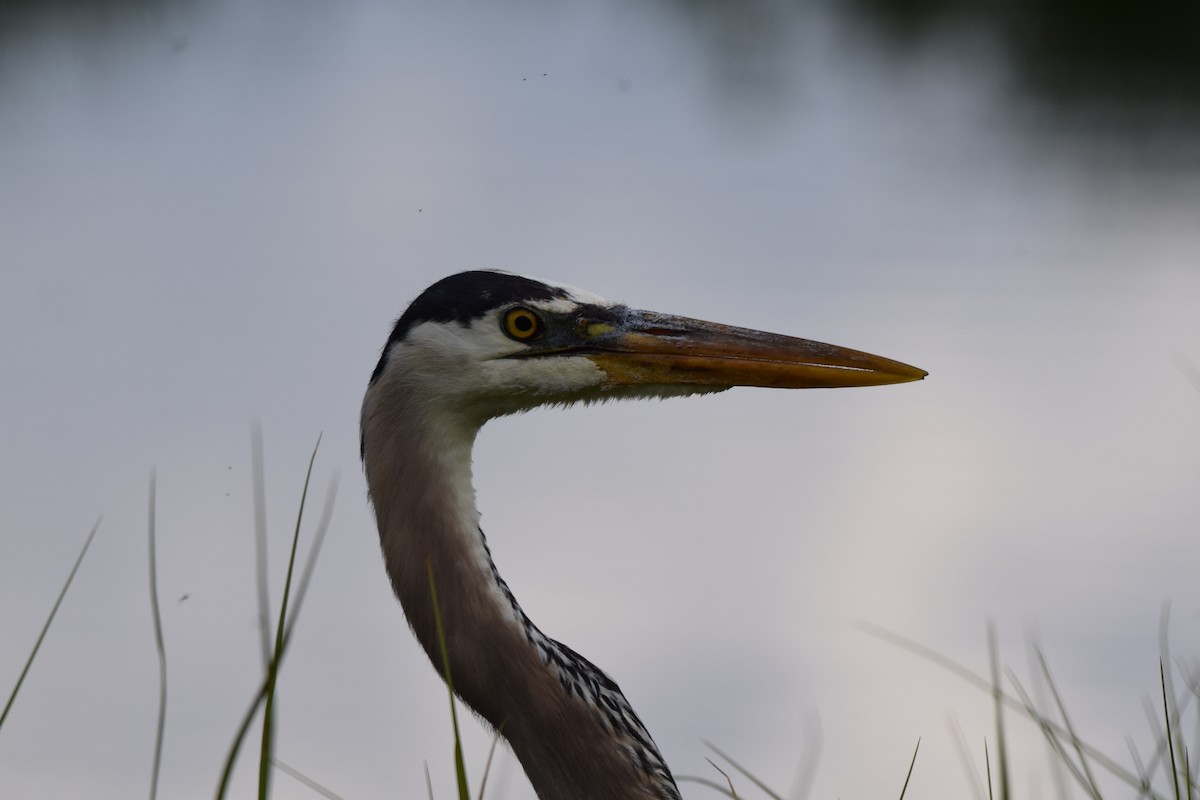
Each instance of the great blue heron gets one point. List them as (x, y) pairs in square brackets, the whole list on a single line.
[(480, 345)]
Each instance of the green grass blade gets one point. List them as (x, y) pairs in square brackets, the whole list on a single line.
[(911, 764), (987, 766), (156, 616), (1159, 754), (705, 782), (964, 757), (1054, 734), (262, 573), (1143, 775), (806, 770), (261, 692), (268, 730), (1089, 779), (1187, 771), (487, 765), (728, 781), (997, 699), (460, 768), (1058, 768), (238, 738), (1193, 686), (745, 772), (307, 781), (46, 627), (1162, 673), (973, 678), (310, 563)]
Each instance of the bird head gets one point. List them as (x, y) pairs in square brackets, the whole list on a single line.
[(491, 343)]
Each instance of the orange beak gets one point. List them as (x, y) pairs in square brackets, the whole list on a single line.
[(652, 348)]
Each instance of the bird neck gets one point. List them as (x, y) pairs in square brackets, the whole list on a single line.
[(568, 723)]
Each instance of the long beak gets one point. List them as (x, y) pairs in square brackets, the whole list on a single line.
[(652, 348)]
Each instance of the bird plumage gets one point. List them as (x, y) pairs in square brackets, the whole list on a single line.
[(483, 344)]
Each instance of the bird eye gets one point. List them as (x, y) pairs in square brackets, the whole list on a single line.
[(522, 324)]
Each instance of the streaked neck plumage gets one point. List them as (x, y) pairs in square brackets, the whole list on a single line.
[(568, 723)]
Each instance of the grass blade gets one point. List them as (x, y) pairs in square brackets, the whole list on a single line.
[(997, 698), (745, 772), (314, 553), (1187, 770), (970, 770), (307, 781), (156, 615), (46, 627), (911, 764), (1054, 734), (1037, 693), (987, 766), (1139, 765), (264, 757), (262, 583), (460, 768), (1026, 708), (1089, 784), (1162, 672), (238, 738), (729, 781), (806, 772), (261, 693), (705, 782), (487, 765)]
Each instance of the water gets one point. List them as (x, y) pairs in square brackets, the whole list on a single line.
[(211, 212)]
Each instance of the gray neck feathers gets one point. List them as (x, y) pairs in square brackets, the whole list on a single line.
[(567, 722)]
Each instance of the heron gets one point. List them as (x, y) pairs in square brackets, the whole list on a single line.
[(484, 344)]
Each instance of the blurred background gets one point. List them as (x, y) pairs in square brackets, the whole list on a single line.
[(213, 212)]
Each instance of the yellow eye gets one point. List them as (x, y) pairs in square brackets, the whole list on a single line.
[(522, 324)]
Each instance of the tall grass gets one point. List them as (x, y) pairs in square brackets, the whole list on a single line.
[(159, 645), (1168, 773), (265, 696), (12, 697), (1081, 761), (460, 769)]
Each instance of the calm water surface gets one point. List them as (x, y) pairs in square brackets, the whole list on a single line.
[(215, 211)]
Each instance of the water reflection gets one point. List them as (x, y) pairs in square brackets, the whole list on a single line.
[(209, 210), (1121, 72), (1068, 51), (95, 22)]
